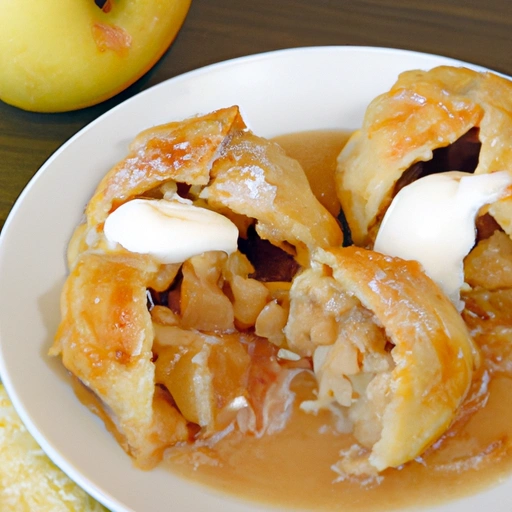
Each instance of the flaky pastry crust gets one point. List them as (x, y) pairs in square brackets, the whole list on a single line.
[(181, 151), (423, 111)]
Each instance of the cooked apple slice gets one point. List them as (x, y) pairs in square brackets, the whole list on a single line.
[(205, 374)]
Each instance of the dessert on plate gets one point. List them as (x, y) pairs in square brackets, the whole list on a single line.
[(208, 286), (173, 312)]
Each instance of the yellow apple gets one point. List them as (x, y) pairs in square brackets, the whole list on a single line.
[(59, 55)]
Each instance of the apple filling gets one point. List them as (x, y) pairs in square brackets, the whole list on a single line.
[(217, 333), (352, 355), (461, 155)]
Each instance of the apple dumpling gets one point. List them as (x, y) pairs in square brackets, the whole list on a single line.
[(178, 292), (392, 356)]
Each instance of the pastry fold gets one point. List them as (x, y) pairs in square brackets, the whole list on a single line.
[(254, 177)]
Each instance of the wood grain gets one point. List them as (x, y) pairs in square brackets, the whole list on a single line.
[(215, 30)]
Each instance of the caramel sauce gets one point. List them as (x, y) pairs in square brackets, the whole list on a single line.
[(293, 467), (317, 152)]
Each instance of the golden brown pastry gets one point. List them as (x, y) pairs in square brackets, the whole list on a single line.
[(430, 121), (389, 350), (105, 339), (170, 348), (180, 151), (255, 178)]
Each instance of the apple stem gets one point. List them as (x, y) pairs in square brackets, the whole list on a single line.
[(104, 5)]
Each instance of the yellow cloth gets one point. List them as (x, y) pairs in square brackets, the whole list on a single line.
[(29, 481)]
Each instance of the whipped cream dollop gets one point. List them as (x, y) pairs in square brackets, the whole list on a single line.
[(170, 230), (432, 221)]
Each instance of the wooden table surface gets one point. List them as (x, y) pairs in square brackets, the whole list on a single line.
[(216, 30)]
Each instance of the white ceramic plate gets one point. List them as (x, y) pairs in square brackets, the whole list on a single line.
[(279, 92)]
